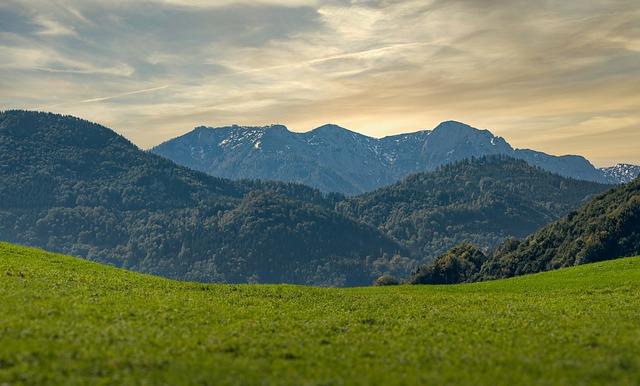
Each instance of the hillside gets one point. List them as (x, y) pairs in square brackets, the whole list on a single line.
[(69, 321), (607, 227), (335, 159), (76, 187), (482, 201)]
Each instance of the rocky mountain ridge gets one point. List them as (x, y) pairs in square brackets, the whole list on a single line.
[(334, 159)]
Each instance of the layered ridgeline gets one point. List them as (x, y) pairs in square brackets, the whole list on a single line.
[(482, 201), (606, 228), (79, 188), (72, 186), (334, 159)]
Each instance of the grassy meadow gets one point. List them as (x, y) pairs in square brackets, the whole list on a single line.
[(68, 321)]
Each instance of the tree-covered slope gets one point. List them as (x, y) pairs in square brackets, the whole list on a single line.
[(607, 227), (460, 264), (76, 187), (73, 322), (482, 201)]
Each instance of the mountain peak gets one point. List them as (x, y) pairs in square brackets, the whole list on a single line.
[(453, 125), (235, 126), (454, 128), (621, 173), (273, 126), (452, 134), (330, 128)]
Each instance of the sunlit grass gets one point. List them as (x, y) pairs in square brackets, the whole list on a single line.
[(68, 321)]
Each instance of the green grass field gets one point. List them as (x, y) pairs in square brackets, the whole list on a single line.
[(70, 322)]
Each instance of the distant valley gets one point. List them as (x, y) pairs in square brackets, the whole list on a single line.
[(334, 159)]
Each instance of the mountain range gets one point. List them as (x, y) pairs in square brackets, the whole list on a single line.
[(76, 187), (73, 186), (334, 159)]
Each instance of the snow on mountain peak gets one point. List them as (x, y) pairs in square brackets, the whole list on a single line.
[(621, 173), (333, 158)]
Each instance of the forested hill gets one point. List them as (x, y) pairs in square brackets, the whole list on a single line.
[(608, 227), (482, 201), (72, 186)]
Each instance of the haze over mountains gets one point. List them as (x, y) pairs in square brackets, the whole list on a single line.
[(334, 159)]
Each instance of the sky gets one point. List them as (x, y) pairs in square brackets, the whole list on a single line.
[(557, 76)]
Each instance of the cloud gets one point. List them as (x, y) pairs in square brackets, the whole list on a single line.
[(556, 75), (42, 59), (347, 55), (223, 3), (52, 27), (110, 97)]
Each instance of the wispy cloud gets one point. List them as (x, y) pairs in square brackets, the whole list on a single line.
[(100, 99), (52, 27), (223, 3), (107, 98), (347, 55)]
